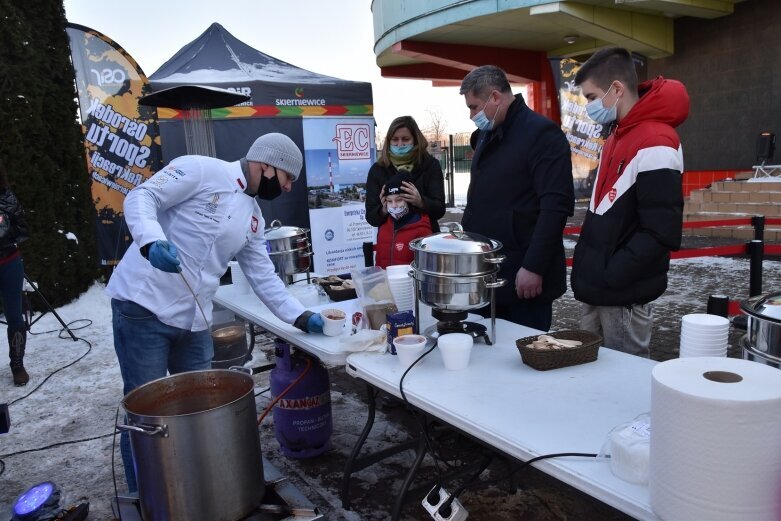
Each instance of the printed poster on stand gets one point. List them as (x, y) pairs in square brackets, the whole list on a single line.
[(338, 154), (585, 137)]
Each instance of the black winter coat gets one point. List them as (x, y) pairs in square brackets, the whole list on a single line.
[(520, 193), (427, 178), (17, 230)]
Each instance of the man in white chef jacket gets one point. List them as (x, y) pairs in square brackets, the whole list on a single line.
[(188, 221)]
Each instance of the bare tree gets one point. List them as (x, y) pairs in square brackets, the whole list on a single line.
[(435, 131)]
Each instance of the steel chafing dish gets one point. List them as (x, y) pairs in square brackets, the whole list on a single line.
[(289, 249), (456, 271)]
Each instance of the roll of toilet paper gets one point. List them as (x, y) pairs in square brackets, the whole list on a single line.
[(715, 440)]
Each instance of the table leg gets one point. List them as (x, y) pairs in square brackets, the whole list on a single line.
[(420, 453), (356, 463)]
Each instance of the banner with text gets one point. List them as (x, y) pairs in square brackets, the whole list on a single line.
[(121, 139), (585, 137), (338, 154)]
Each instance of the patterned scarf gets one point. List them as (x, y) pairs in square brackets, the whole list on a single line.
[(405, 162)]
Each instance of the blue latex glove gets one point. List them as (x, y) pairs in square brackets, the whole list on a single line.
[(163, 255), (315, 324)]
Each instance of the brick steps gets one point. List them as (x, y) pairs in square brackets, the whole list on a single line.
[(735, 200)]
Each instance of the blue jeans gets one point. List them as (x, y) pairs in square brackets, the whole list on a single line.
[(11, 282), (147, 350)]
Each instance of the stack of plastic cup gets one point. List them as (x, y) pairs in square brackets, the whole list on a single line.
[(240, 282), (402, 286), (704, 335)]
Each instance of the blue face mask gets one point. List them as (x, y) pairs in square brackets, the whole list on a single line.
[(482, 121), (596, 110), (401, 150)]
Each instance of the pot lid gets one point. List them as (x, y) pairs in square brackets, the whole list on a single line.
[(456, 241), (766, 306), (277, 231)]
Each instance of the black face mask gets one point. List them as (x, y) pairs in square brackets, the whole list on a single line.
[(269, 188)]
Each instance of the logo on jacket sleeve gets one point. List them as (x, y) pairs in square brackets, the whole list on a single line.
[(612, 194), (254, 224), (399, 246)]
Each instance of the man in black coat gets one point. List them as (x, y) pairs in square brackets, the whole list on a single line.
[(520, 193)]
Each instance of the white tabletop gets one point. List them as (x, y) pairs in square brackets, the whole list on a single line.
[(526, 413), (327, 349), (248, 306)]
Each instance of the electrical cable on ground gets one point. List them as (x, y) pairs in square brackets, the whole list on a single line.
[(89, 349), (423, 430)]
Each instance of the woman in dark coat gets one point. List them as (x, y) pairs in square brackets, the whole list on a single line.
[(405, 150), (13, 230)]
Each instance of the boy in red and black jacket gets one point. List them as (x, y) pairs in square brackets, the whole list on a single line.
[(403, 224)]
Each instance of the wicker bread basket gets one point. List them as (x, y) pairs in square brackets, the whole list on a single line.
[(543, 360)]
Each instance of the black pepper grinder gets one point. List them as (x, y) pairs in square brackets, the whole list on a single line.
[(368, 254)]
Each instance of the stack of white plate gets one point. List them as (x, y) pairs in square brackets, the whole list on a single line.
[(402, 286), (704, 335)]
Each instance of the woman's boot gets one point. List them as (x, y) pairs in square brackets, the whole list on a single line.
[(17, 339)]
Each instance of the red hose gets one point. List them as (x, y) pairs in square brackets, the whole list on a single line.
[(283, 393)]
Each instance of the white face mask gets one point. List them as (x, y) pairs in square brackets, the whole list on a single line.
[(397, 212), (481, 120), (598, 112)]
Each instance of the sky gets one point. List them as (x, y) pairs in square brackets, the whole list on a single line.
[(334, 37)]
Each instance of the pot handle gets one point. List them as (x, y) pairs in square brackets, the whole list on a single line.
[(496, 284), (151, 430), (276, 223), (240, 369), (495, 260), (452, 227)]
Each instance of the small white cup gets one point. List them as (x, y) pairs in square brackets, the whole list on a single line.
[(333, 321), (409, 348), (455, 349)]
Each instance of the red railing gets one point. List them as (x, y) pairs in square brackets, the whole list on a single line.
[(755, 249)]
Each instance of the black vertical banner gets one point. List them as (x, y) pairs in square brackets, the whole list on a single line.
[(121, 138)]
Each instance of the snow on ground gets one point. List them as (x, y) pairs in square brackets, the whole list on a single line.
[(80, 402)]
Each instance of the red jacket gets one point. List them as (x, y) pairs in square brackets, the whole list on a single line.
[(393, 239), (635, 215)]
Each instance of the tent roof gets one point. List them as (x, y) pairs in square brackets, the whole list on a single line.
[(217, 56)]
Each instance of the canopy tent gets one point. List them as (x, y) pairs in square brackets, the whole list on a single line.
[(280, 94)]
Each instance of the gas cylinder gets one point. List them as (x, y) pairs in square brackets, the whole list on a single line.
[(302, 418)]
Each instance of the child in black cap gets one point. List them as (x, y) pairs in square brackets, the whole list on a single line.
[(403, 224)]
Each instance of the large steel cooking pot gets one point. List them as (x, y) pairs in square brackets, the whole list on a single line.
[(289, 248), (196, 446), (457, 293), (764, 324), (284, 239), (456, 253), (230, 346)]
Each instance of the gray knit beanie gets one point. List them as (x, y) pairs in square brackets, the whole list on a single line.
[(277, 150)]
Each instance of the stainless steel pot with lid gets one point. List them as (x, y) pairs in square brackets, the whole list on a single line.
[(289, 248), (456, 253), (763, 334), (284, 239)]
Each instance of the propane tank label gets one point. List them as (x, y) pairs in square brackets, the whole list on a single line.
[(304, 403)]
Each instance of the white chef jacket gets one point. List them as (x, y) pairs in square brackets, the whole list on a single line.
[(198, 204)]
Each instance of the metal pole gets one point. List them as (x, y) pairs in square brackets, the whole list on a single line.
[(758, 222), (756, 250), (452, 167)]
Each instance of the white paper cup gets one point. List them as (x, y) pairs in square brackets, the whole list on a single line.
[(455, 349), (409, 348), (333, 321)]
